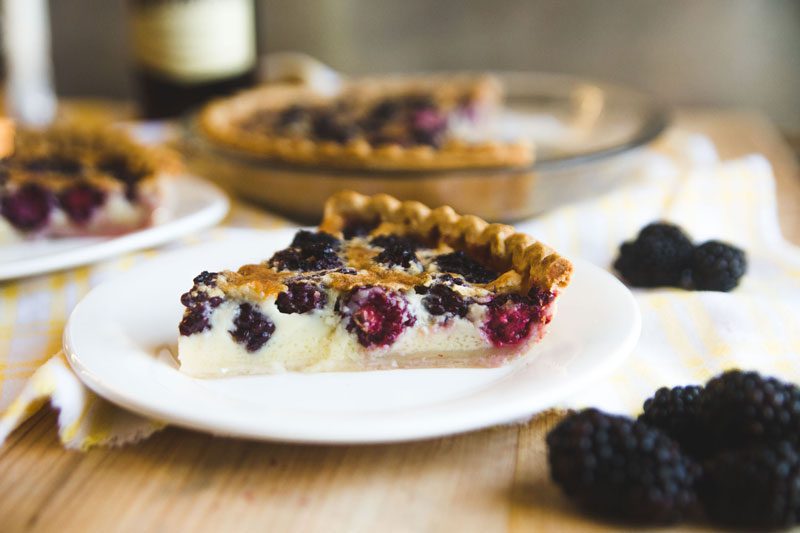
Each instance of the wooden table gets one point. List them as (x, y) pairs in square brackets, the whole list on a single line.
[(179, 480)]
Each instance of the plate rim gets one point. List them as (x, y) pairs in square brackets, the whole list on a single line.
[(487, 418)]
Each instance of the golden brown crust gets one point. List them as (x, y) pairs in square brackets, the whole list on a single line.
[(219, 121), (498, 245), (254, 282), (90, 146), (7, 131)]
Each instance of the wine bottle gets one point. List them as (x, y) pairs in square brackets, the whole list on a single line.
[(188, 51)]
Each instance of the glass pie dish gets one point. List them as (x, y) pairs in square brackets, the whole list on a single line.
[(586, 135)]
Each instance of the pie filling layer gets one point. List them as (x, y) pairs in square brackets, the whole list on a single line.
[(363, 303)]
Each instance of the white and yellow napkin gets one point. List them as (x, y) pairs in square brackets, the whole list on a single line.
[(686, 336)]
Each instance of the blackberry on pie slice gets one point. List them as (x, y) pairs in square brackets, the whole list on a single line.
[(72, 181), (408, 123), (381, 284)]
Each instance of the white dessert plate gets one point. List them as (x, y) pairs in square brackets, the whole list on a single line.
[(191, 204), (119, 337)]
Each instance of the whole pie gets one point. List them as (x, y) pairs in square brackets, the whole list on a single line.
[(429, 122), (382, 284), (71, 181)]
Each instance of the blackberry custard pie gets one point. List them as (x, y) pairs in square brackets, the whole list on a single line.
[(382, 284), (69, 181), (409, 123)]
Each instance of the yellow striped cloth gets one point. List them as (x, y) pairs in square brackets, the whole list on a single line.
[(686, 336)]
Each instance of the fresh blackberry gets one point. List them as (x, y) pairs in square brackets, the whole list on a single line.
[(309, 239), (740, 409), (756, 488), (660, 256), (717, 266), (613, 466), (461, 263), (301, 298), (676, 412)]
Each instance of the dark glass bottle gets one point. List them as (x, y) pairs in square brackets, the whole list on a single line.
[(188, 51)]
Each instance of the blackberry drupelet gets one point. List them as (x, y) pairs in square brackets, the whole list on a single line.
[(659, 256), (613, 466), (755, 488), (740, 409), (675, 411), (717, 266)]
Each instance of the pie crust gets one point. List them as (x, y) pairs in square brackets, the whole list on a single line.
[(501, 246), (276, 316), (221, 122)]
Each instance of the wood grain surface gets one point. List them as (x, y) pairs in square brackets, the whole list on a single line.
[(178, 480)]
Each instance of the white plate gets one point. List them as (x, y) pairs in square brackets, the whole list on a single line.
[(116, 339), (191, 204)]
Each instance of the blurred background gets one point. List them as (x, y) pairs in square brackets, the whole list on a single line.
[(743, 53)]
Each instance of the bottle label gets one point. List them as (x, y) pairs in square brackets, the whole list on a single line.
[(194, 41)]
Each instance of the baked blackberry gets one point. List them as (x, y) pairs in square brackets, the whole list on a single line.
[(310, 239), (442, 300), (301, 298), (461, 263), (613, 466), (676, 411), (659, 256), (717, 266), (741, 409), (252, 328), (755, 488), (397, 250), (311, 257)]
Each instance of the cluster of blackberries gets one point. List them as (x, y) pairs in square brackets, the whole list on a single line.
[(731, 449), (663, 256)]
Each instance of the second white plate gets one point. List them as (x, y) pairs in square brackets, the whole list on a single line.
[(117, 336), (192, 204)]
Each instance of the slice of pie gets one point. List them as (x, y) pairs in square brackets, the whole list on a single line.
[(383, 284), (379, 123), (69, 181)]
